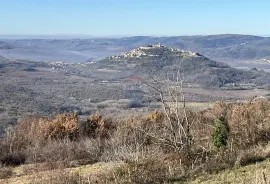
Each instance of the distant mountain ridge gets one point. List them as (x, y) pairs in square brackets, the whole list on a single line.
[(4, 45), (217, 47)]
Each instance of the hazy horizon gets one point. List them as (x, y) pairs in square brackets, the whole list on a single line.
[(78, 36), (103, 18)]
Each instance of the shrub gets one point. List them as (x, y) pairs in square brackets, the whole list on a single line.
[(134, 104), (13, 159), (97, 127), (40, 129), (9, 154), (155, 116), (55, 139), (63, 125), (64, 151), (252, 155), (220, 134)]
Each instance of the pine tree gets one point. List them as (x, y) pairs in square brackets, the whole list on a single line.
[(221, 133)]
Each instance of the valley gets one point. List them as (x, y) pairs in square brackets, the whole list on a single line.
[(140, 116), (118, 83)]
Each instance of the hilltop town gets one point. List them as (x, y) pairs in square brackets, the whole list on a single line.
[(153, 51)]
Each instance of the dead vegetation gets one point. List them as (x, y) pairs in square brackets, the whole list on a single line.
[(150, 146)]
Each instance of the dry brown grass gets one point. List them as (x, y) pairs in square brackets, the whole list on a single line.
[(59, 177), (149, 145), (258, 173), (5, 172)]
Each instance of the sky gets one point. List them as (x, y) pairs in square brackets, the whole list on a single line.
[(134, 17)]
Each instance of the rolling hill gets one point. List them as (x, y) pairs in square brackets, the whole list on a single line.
[(160, 61)]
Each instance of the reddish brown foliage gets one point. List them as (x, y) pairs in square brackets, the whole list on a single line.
[(38, 129), (98, 127)]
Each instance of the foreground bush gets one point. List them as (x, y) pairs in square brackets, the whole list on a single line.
[(40, 129), (249, 122), (155, 148), (97, 127)]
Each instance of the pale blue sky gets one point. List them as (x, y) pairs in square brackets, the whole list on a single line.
[(134, 17)]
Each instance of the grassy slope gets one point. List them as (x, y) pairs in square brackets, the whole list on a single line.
[(248, 174), (35, 173)]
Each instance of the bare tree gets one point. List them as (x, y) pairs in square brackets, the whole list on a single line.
[(169, 92)]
